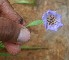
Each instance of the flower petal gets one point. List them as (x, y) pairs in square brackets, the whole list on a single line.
[(58, 17), (44, 18), (51, 12), (54, 28), (57, 22)]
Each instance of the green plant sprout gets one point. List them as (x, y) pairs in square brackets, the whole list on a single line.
[(33, 2)]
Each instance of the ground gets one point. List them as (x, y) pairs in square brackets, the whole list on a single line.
[(57, 43)]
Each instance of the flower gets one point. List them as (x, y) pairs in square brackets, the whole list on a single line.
[(52, 20)]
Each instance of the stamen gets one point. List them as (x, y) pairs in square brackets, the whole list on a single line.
[(51, 19)]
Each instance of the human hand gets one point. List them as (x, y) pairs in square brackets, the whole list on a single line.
[(12, 30)]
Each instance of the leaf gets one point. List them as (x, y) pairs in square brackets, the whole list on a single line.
[(1, 45), (25, 1), (5, 54), (34, 23)]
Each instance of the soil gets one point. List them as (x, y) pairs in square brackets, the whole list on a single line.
[(57, 43)]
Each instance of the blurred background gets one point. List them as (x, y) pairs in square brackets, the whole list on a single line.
[(56, 43)]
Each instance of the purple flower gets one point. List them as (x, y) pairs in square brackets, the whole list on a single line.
[(52, 20)]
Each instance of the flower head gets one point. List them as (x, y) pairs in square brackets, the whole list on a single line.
[(52, 20)]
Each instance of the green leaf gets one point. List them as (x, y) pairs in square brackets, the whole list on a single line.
[(25, 1), (34, 23), (5, 54), (1, 45)]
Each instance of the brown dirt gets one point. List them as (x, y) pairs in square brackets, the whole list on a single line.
[(57, 43)]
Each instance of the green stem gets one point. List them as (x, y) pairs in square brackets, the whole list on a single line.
[(5, 54), (25, 1), (33, 48), (28, 48)]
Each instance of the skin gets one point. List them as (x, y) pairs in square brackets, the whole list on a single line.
[(12, 29)]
